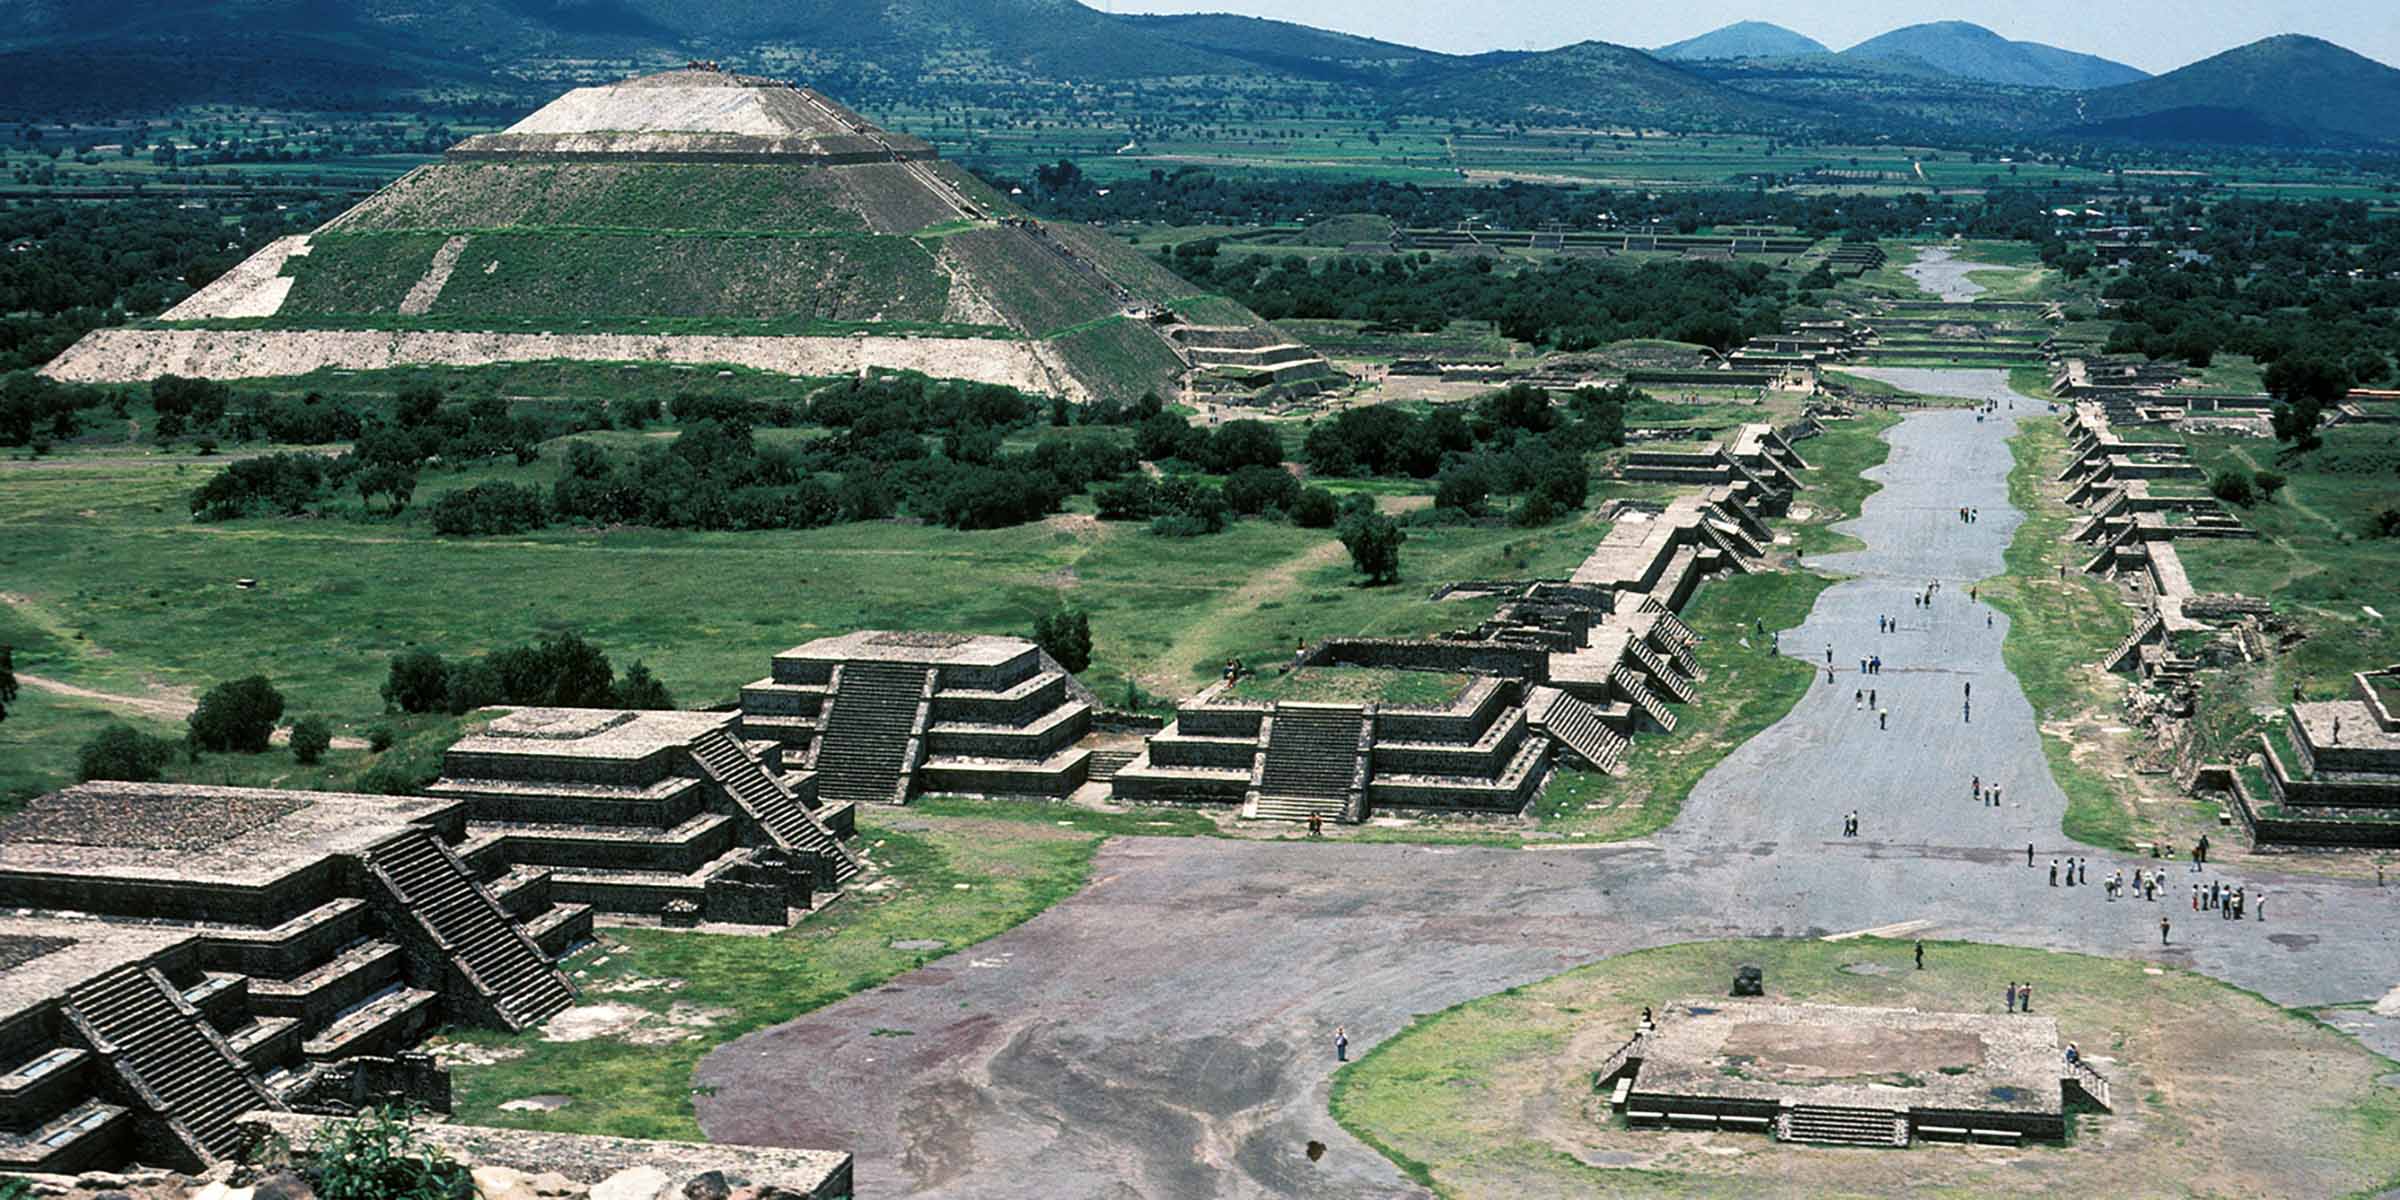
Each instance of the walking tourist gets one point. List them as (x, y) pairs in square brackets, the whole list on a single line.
[(2010, 996), (2163, 926), (1341, 1044)]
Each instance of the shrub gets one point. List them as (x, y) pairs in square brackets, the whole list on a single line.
[(1315, 509), (470, 684), (2385, 524), (378, 1156), (1066, 635), (237, 716), (283, 484), (1133, 498), (418, 683), (123, 752), (490, 508), (1462, 490), (2234, 487), (379, 739), (1254, 489), (1537, 509), (641, 689), (1243, 443), (2269, 483), (311, 737)]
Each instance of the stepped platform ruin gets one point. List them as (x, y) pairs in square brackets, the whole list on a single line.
[(2328, 771), (675, 816), (2140, 498), (1759, 463), (878, 716), (1565, 669), (1845, 1076), (764, 224), (176, 955)]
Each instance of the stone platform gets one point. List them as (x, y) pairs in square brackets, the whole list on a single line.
[(1845, 1075)]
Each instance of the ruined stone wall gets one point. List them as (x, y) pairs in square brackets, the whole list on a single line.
[(135, 355)]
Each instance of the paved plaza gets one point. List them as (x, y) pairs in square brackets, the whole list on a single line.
[(1167, 1032)]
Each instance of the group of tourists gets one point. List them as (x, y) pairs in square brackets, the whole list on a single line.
[(1850, 824), (2019, 997), (1988, 797), (1969, 516)]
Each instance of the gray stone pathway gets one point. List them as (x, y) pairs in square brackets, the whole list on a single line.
[(1168, 1031)]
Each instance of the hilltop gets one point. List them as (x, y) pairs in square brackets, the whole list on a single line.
[(1971, 51), (2290, 89), (1597, 83), (1742, 39)]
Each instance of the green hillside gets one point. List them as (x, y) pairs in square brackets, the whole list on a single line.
[(1596, 82), (2288, 88), (1970, 51)]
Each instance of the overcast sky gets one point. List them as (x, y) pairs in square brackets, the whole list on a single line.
[(2155, 35)]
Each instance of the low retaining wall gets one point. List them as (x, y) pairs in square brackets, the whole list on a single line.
[(134, 355)]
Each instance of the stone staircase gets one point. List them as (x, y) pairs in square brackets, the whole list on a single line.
[(166, 1054), (1627, 683), (1663, 677), (471, 927), (1671, 627), (2129, 650), (1577, 726), (1827, 1125), (1311, 763), (1104, 764), (862, 756), (769, 804)]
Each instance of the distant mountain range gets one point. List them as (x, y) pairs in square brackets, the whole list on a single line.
[(1949, 77)]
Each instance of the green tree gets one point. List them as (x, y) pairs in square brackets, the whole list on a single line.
[(237, 716), (1315, 509), (418, 683), (8, 679), (311, 737), (641, 689), (1373, 540), (123, 752), (2303, 387), (1066, 635)]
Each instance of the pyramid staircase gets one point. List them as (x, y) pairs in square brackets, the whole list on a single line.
[(2102, 562), (465, 923), (1311, 764), (1828, 1125), (1663, 677), (1644, 701), (2129, 651), (874, 726), (1576, 725), (166, 1054), (770, 805), (1734, 557)]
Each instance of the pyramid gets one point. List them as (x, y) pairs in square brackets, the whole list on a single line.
[(703, 217)]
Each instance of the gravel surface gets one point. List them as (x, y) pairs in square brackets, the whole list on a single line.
[(1168, 1031)]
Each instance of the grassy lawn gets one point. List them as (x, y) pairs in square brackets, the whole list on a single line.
[(2059, 626), (1837, 487), (2217, 1092), (954, 872)]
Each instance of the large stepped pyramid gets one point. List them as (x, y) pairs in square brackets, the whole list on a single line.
[(767, 224), (168, 1057)]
